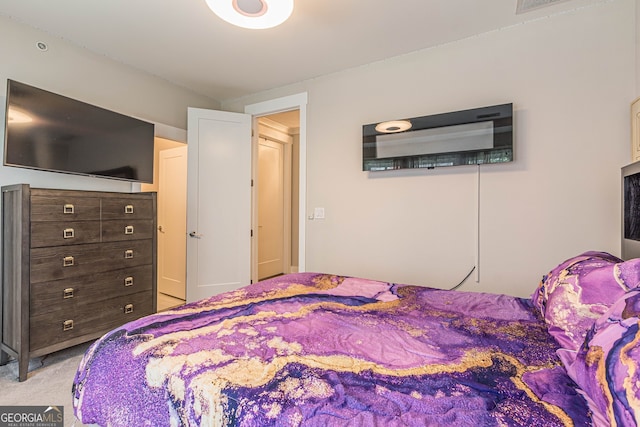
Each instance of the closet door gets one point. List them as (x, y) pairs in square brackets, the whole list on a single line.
[(271, 204), (172, 222)]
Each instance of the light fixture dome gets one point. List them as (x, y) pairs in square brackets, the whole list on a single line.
[(253, 14)]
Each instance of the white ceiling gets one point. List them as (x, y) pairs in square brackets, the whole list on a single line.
[(183, 42)]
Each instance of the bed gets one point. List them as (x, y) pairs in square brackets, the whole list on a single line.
[(313, 349)]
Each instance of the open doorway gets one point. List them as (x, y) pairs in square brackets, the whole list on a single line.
[(200, 243), (276, 195), (278, 225), (170, 183)]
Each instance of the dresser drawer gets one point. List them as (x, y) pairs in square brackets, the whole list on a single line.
[(95, 318), (64, 208), (128, 208), (74, 293), (55, 263), (120, 230), (59, 233)]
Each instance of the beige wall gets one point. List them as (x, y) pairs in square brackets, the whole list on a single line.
[(637, 7), (75, 72), (571, 78)]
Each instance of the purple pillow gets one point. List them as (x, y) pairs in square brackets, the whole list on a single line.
[(607, 366), (580, 290)]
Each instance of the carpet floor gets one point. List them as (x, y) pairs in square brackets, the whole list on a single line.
[(48, 383)]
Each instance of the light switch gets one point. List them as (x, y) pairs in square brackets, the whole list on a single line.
[(318, 213)]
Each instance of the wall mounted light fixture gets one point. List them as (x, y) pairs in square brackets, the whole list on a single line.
[(253, 14)]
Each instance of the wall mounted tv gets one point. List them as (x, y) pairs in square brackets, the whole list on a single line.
[(469, 137), (51, 132), (631, 211)]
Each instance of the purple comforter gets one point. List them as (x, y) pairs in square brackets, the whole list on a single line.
[(321, 350)]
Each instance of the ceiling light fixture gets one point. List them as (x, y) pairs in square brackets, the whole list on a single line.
[(393, 126), (253, 14)]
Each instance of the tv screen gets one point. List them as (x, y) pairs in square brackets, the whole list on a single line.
[(631, 211), (51, 132)]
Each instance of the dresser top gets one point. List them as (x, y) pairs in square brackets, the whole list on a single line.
[(51, 192)]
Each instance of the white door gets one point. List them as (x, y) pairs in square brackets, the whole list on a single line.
[(270, 208), (172, 222), (218, 202)]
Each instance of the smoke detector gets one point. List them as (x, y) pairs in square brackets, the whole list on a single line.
[(529, 5)]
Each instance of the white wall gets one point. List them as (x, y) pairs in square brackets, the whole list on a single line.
[(571, 78), (75, 72), (637, 5)]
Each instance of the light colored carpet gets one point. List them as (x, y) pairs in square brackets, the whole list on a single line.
[(48, 384)]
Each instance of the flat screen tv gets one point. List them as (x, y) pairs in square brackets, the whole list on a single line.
[(51, 132), (468, 137), (631, 211)]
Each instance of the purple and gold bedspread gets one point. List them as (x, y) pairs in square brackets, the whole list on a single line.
[(321, 350)]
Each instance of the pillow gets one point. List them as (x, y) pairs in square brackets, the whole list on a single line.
[(580, 290), (607, 366)]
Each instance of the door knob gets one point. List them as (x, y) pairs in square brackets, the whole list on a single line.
[(195, 235), (160, 229)]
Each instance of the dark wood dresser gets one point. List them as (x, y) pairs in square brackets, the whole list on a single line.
[(75, 265)]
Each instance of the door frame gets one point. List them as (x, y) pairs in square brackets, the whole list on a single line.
[(278, 105)]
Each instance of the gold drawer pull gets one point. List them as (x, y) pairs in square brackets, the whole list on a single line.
[(68, 233), (68, 293), (128, 209), (128, 281), (128, 229), (67, 325), (68, 261), (128, 254), (128, 309), (68, 208)]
